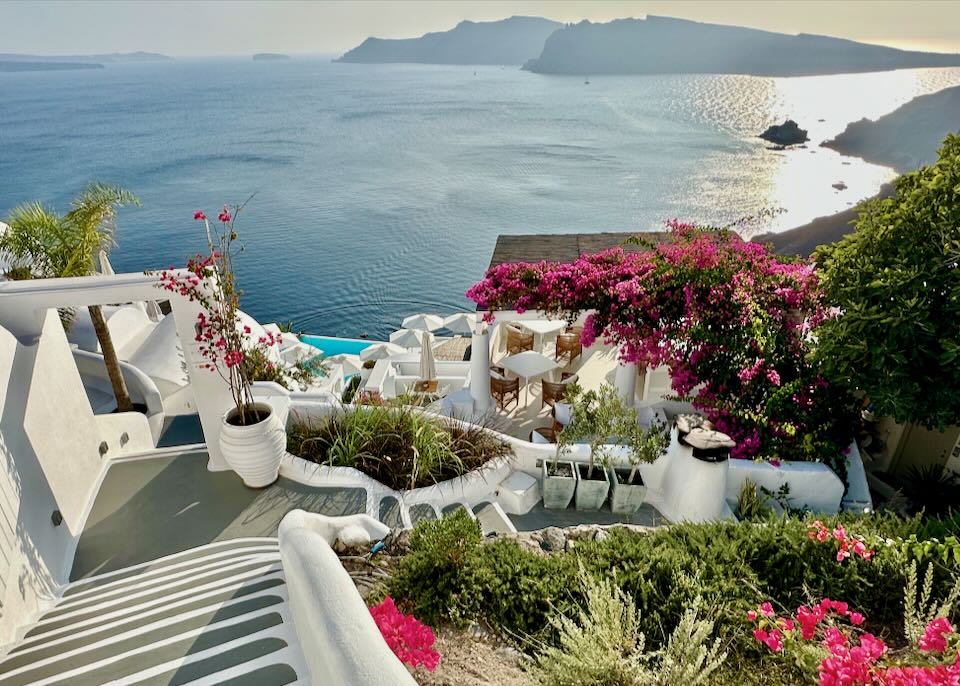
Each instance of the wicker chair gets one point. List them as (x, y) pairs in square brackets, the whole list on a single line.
[(552, 391), (505, 391), (568, 345), (517, 341)]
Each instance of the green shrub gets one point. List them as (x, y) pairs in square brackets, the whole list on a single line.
[(731, 567), (432, 580)]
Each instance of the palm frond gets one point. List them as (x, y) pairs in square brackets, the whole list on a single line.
[(30, 238), (89, 226)]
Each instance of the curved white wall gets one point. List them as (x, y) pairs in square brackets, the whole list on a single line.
[(338, 637)]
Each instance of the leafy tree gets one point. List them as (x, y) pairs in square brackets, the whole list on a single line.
[(51, 245), (897, 283)]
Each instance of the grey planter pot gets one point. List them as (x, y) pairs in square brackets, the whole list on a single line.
[(625, 498), (558, 490), (591, 493)]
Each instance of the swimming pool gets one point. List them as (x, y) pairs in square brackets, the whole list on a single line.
[(337, 346)]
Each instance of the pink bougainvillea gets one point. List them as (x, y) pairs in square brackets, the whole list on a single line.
[(852, 658), (409, 639), (731, 320), (848, 545), (222, 340)]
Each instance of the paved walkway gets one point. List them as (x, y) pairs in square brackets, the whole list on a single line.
[(149, 508)]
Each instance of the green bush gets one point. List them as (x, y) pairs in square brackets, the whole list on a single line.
[(452, 576)]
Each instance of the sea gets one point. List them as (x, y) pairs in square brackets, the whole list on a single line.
[(377, 191)]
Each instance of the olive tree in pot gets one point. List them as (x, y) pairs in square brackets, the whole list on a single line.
[(252, 438), (597, 417), (628, 491)]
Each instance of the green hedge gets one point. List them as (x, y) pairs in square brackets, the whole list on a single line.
[(450, 576)]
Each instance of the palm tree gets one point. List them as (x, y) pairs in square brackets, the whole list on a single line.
[(51, 245)]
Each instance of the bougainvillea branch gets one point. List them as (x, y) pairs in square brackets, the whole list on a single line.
[(222, 339), (733, 322)]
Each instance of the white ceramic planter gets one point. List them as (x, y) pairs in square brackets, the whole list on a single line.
[(592, 493), (558, 490), (254, 452), (625, 498)]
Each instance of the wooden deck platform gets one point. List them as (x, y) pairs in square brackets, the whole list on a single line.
[(563, 247)]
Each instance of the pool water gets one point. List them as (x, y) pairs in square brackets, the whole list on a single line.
[(337, 346)]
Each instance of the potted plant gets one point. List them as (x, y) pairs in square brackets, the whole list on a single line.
[(366, 370), (559, 482), (252, 438), (628, 491), (597, 416)]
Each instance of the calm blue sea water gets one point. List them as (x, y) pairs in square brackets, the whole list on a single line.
[(380, 189)]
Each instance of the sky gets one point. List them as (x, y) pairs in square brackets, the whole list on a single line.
[(211, 27)]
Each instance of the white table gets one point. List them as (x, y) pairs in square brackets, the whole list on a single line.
[(528, 365), (541, 327)]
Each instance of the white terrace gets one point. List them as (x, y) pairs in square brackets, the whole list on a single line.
[(123, 561)]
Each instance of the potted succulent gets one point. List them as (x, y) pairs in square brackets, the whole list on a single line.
[(627, 490), (252, 438)]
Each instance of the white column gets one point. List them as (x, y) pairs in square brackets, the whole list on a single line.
[(211, 393), (626, 382), (480, 370)]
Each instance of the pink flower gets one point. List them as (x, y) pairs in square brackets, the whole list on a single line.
[(224, 216), (752, 615), (934, 639), (199, 215), (408, 638), (856, 618), (766, 609)]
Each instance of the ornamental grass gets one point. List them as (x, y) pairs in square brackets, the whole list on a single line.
[(401, 447)]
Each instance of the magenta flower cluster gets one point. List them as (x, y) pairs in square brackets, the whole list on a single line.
[(859, 659), (732, 321), (410, 639), (848, 545)]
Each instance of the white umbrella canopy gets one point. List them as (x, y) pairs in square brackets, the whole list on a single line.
[(380, 351), (351, 363), (462, 322), (408, 338), (423, 322), (428, 367)]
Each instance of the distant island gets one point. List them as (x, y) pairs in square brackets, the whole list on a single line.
[(109, 58), (17, 65), (662, 45), (269, 56), (908, 137), (508, 41)]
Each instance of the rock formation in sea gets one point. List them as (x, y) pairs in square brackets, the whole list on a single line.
[(113, 57), (667, 45), (908, 137), (22, 65), (508, 41), (787, 133)]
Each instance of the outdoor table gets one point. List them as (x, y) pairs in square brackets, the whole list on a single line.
[(529, 364), (541, 327)]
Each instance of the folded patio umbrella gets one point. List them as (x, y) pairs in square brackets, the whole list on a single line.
[(428, 368)]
